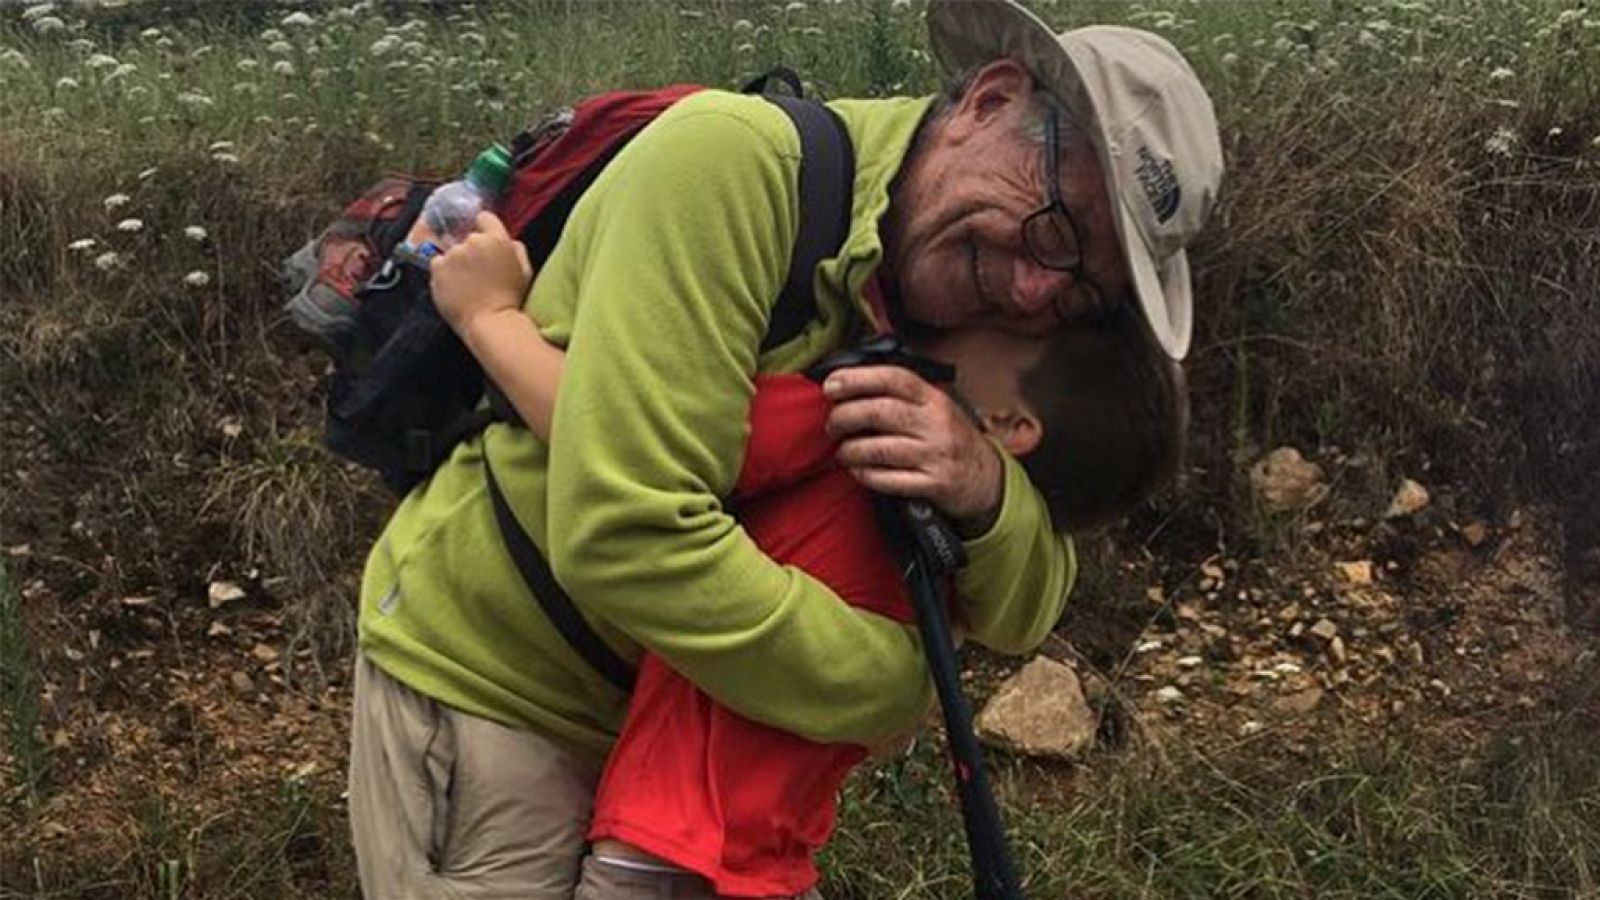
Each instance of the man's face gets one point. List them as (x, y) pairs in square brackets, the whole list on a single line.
[(961, 259)]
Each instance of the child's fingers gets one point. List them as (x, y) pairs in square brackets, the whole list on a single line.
[(490, 224)]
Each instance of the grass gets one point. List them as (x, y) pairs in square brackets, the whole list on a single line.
[(1354, 819), (24, 748), (287, 841), (1404, 266)]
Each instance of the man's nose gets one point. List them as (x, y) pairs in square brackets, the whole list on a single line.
[(1035, 288)]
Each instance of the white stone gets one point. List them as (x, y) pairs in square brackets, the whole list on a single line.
[(1040, 711)]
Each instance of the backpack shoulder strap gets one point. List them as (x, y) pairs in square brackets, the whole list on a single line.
[(827, 179), (557, 605)]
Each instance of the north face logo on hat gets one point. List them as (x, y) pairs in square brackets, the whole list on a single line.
[(1160, 184)]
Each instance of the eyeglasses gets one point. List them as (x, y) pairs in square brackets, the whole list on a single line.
[(1050, 233)]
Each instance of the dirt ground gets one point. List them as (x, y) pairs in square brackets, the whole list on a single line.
[(180, 700)]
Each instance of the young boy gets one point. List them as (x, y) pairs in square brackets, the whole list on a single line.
[(698, 801)]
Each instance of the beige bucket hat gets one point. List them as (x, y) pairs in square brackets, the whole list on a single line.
[(1151, 122)]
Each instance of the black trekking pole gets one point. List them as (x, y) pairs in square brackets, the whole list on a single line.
[(931, 551)]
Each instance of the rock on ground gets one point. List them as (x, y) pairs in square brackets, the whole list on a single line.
[(1040, 711), (1284, 481), (1410, 498)]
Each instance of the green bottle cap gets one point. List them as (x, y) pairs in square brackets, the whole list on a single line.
[(491, 171)]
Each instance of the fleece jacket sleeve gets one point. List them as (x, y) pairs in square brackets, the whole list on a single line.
[(1018, 574), (677, 280)]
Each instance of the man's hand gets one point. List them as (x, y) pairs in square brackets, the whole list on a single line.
[(900, 435), (486, 274)]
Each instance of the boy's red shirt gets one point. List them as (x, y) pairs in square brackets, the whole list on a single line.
[(741, 803)]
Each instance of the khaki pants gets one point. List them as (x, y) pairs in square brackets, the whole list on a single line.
[(604, 880), (452, 806)]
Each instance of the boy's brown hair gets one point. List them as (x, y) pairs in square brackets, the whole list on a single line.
[(1114, 410)]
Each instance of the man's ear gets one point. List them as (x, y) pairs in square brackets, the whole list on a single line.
[(995, 88), (1018, 430)]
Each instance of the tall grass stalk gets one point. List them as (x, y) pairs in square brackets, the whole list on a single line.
[(19, 698)]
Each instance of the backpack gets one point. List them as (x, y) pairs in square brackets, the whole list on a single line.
[(405, 391)]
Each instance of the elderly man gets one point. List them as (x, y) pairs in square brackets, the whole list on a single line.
[(1061, 175)]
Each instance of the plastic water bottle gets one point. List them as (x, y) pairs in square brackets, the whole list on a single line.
[(451, 211)]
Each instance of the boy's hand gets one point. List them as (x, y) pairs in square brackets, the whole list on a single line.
[(486, 274)]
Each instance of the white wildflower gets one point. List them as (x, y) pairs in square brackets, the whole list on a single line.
[(38, 10), (281, 48), (745, 48), (1569, 16), (1223, 38), (740, 25), (246, 65), (144, 174), (383, 45), (472, 37), (795, 7), (131, 226), (108, 260), (1501, 74), (1380, 25), (15, 57), (1229, 59), (82, 244), (1595, 143), (1555, 132), (283, 67), (194, 99), (81, 45), (297, 19), (197, 279), (150, 34), (122, 71), (1502, 143), (164, 43), (272, 34), (202, 50), (246, 87), (116, 201), (100, 61), (226, 159), (48, 24), (194, 232), (66, 83), (1369, 40)]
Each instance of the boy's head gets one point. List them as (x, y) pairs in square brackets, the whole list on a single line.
[(1096, 413)]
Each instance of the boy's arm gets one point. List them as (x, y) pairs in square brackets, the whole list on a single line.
[(478, 286), (525, 366)]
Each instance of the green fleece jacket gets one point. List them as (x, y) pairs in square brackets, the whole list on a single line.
[(660, 290)]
